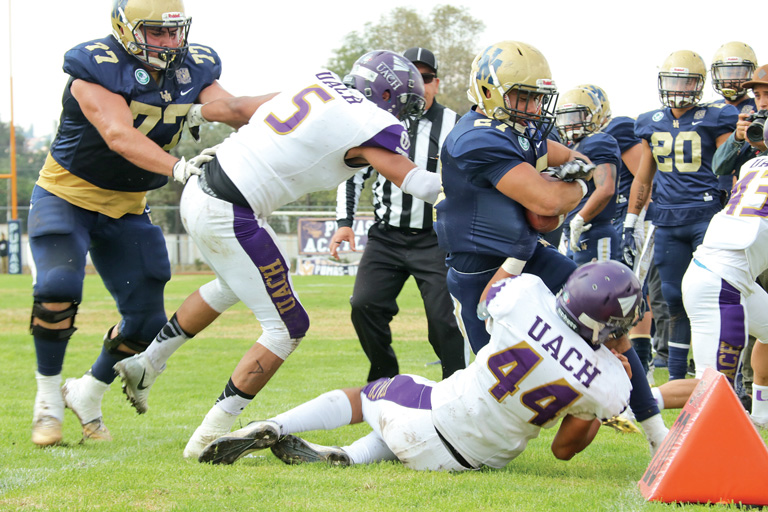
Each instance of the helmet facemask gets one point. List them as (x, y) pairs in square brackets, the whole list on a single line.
[(532, 114), (729, 75), (574, 122), (135, 41), (680, 89)]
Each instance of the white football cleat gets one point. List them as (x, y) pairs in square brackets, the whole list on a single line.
[(83, 396), (138, 375), (202, 437), (294, 450), (228, 448)]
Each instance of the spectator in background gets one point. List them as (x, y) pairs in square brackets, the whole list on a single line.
[(402, 244)]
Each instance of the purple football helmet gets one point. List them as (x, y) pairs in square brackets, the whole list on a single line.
[(600, 300), (381, 71)]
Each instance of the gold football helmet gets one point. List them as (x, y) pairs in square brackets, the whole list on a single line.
[(732, 65), (132, 18), (578, 114), (605, 104), (509, 72), (681, 79)]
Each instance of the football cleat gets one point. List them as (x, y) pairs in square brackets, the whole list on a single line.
[(294, 450), (138, 375), (46, 431), (622, 423), (201, 438), (257, 435), (83, 397)]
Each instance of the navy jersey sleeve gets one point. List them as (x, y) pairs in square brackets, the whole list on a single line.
[(600, 148), (488, 162), (623, 130)]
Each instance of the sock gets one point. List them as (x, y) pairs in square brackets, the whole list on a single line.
[(232, 400), (48, 401), (218, 420), (369, 449), (656, 392), (326, 412), (90, 392), (168, 341), (640, 400), (655, 431), (50, 355), (760, 402), (642, 345), (103, 369)]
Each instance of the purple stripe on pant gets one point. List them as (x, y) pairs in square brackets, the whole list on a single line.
[(732, 331), (402, 390), (265, 254)]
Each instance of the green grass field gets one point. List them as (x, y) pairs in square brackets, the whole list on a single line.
[(142, 469)]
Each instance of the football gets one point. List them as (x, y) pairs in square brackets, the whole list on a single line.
[(544, 223)]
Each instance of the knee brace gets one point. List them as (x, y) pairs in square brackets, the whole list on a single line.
[(112, 344), (46, 315)]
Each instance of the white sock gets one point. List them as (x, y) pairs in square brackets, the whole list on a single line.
[(655, 430), (167, 341), (218, 419), (326, 412), (90, 393), (760, 402), (48, 401), (656, 392), (369, 449)]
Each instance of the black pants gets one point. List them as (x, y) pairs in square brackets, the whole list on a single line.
[(389, 258)]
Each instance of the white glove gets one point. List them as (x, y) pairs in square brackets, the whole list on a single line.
[(194, 120), (577, 228), (183, 170), (640, 229), (572, 170)]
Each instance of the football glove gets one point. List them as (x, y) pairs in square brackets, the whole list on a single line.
[(194, 120), (577, 227), (628, 246), (572, 170), (182, 170)]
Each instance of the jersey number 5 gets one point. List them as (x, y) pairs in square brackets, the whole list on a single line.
[(303, 108), (511, 366)]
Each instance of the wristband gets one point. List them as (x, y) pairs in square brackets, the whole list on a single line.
[(630, 220), (513, 266)]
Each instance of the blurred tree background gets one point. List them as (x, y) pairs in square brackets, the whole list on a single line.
[(450, 32)]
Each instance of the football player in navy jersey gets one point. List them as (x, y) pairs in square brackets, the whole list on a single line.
[(491, 164), (678, 141), (123, 109), (732, 66), (589, 230)]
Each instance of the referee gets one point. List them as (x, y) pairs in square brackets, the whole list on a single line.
[(402, 243)]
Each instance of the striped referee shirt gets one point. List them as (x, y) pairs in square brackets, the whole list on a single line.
[(391, 206)]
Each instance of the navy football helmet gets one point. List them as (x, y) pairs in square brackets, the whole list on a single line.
[(600, 300), (391, 81), (132, 18)]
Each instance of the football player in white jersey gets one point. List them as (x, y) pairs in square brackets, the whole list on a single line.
[(720, 294), (308, 138), (547, 360)]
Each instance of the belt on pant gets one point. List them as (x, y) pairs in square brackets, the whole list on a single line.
[(456, 455)]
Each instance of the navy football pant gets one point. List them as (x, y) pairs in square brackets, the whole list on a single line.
[(129, 254), (672, 255)]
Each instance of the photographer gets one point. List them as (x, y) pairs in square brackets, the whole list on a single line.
[(732, 155), (735, 152)]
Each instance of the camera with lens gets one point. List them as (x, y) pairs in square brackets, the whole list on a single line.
[(755, 130)]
